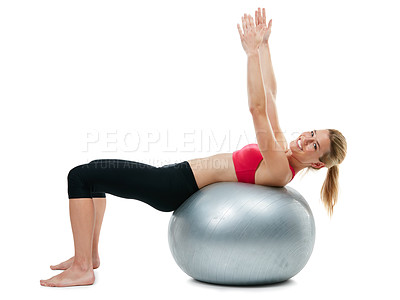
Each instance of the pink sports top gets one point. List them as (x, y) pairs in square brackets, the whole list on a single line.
[(246, 161)]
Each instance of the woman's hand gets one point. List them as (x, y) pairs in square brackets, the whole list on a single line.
[(261, 20), (252, 36)]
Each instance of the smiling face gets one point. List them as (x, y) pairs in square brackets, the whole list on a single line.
[(310, 146)]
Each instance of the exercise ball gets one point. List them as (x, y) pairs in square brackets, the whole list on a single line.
[(234, 233)]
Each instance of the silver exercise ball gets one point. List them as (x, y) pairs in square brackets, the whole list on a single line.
[(235, 233)]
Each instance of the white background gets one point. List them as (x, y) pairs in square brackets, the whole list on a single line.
[(81, 80)]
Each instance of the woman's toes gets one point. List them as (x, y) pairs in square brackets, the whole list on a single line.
[(43, 282), (64, 265), (57, 267)]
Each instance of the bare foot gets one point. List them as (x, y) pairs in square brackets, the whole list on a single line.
[(71, 277), (66, 264)]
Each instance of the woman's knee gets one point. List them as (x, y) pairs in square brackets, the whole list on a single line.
[(77, 186), (76, 173)]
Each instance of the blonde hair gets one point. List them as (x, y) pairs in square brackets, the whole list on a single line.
[(330, 188)]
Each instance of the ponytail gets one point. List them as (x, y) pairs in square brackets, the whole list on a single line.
[(330, 189)]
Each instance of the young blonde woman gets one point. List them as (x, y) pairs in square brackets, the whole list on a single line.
[(272, 161)]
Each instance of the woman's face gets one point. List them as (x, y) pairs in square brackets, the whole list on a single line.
[(310, 146)]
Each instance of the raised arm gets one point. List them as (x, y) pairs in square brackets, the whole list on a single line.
[(255, 86), (251, 40), (270, 90), (269, 77), (265, 55), (270, 149), (267, 69)]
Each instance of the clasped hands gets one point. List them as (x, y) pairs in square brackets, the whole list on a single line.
[(253, 35)]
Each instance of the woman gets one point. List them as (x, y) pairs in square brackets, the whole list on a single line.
[(269, 162)]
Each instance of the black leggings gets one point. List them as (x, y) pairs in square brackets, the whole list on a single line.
[(164, 188)]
